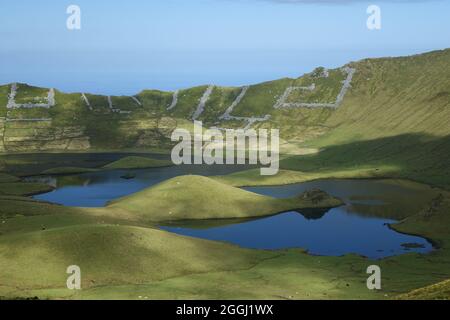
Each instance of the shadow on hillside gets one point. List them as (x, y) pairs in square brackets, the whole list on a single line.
[(417, 156)]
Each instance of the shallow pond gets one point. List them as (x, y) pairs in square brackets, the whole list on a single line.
[(361, 226)]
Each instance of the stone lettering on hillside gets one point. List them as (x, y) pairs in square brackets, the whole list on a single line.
[(49, 100), (346, 84), (202, 103)]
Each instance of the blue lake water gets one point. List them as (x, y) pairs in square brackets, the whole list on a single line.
[(361, 226), (336, 233), (95, 189)]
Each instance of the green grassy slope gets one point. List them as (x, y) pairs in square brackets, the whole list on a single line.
[(188, 101), (396, 116), (389, 97), (4, 177), (98, 103), (109, 255), (439, 291), (392, 123), (23, 188), (30, 94), (70, 108), (220, 99), (67, 170), (124, 103), (394, 96), (183, 198), (4, 92), (134, 162), (120, 261), (261, 98), (326, 88), (155, 101)]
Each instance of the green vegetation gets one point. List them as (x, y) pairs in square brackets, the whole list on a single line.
[(67, 170), (70, 109), (143, 261), (23, 188), (326, 88), (128, 162), (183, 198), (155, 101), (29, 113), (123, 254), (439, 291), (98, 103), (30, 94), (7, 178), (4, 92), (124, 103), (221, 98), (134, 162), (392, 123), (260, 98), (188, 101), (389, 97)]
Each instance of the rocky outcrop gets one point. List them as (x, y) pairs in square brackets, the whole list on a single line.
[(316, 196)]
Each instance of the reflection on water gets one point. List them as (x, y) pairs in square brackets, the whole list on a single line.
[(95, 189), (361, 226), (389, 198), (334, 234)]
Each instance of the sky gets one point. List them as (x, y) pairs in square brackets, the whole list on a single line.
[(124, 47)]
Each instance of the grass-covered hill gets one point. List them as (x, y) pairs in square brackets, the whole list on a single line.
[(394, 120), (387, 97), (438, 291), (198, 197), (125, 259)]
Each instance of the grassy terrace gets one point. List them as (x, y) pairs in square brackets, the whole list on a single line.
[(31, 113)]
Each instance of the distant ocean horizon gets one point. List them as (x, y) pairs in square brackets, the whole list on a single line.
[(128, 73)]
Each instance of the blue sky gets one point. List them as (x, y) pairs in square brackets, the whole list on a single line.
[(127, 46)]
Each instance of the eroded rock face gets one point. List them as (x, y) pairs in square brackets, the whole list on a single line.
[(38, 136), (316, 196)]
